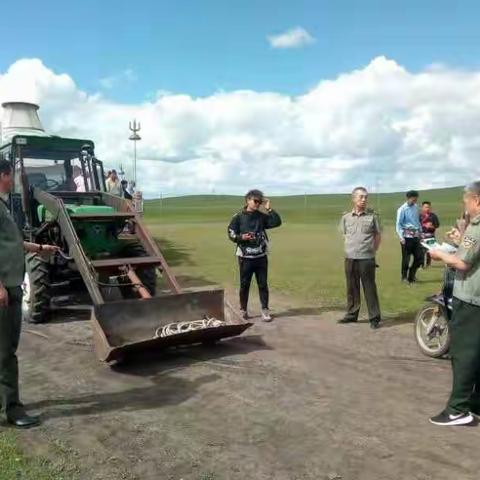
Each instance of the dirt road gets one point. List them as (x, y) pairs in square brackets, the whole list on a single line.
[(299, 399)]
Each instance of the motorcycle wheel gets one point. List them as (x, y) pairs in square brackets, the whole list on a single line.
[(431, 330)]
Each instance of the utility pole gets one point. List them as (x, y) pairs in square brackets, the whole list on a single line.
[(135, 137)]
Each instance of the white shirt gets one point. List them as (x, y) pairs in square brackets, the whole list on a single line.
[(114, 187), (80, 183)]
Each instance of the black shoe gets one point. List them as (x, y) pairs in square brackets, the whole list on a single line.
[(375, 323), (347, 320), (23, 420), (447, 419)]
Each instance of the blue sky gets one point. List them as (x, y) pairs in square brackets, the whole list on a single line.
[(199, 47), (238, 112)]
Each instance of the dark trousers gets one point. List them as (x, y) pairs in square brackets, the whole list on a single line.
[(356, 272), (411, 248), (249, 267), (10, 326), (465, 353)]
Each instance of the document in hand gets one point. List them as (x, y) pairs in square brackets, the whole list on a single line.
[(432, 244)]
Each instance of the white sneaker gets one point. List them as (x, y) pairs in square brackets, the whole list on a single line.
[(446, 419), (266, 317)]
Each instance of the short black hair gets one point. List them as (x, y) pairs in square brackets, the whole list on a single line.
[(5, 167), (359, 189), (426, 202), (412, 194), (124, 182), (254, 194)]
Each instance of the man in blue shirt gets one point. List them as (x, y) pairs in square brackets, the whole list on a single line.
[(409, 230)]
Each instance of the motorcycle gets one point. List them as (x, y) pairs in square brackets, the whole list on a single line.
[(431, 323)]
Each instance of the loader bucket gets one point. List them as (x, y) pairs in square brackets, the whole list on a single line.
[(129, 326)]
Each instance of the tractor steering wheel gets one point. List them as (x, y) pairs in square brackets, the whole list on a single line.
[(50, 184)]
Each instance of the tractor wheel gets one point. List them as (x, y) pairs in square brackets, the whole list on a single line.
[(147, 275), (36, 295)]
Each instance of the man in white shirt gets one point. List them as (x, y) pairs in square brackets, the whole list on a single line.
[(113, 184), (78, 179)]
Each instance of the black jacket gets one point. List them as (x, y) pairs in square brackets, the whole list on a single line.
[(256, 223)]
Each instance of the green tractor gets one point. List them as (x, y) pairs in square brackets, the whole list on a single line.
[(104, 248)]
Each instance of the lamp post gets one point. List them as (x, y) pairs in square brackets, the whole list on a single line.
[(135, 137)]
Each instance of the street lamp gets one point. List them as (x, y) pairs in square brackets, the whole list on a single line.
[(135, 137)]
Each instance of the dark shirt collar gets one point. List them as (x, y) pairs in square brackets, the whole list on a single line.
[(359, 214)]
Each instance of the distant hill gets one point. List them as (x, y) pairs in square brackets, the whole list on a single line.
[(296, 208)]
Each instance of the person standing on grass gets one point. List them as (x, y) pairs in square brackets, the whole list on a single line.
[(430, 223), (409, 230), (12, 271), (362, 233), (247, 231), (464, 326)]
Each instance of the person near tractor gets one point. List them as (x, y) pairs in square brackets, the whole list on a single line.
[(247, 230), (430, 223), (12, 271), (362, 233), (409, 231), (464, 326), (113, 184), (78, 179), (125, 193)]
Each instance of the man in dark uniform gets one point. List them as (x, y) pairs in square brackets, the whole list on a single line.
[(464, 326), (12, 265), (247, 230), (361, 230)]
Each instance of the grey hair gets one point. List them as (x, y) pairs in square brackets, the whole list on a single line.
[(359, 189), (473, 187)]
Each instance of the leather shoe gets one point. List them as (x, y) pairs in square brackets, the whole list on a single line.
[(347, 320), (374, 324), (23, 420)]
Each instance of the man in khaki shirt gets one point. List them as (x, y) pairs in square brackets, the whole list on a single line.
[(464, 327), (361, 230)]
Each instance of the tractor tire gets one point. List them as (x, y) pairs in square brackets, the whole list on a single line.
[(36, 295), (147, 275)]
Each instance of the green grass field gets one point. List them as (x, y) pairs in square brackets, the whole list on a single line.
[(307, 251)]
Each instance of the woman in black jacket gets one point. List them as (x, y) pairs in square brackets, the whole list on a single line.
[(247, 230)]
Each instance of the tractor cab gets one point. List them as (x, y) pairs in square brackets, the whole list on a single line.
[(50, 164)]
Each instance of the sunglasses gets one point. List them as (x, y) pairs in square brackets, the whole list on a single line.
[(257, 201)]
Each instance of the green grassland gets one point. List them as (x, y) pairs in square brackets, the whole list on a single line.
[(307, 251), (16, 465)]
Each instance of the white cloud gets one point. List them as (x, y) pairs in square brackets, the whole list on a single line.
[(378, 123), (293, 38), (127, 75)]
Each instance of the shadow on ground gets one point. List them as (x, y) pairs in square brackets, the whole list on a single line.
[(165, 389), (398, 319), (308, 311)]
